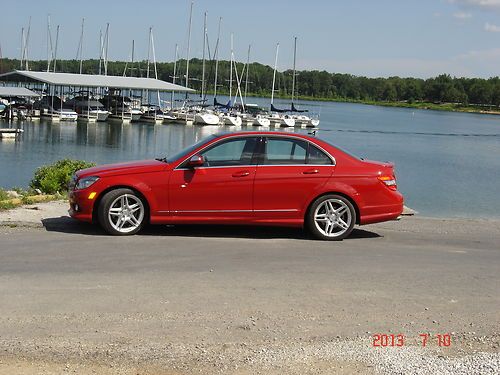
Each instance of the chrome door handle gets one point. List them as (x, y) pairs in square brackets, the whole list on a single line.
[(241, 174), (310, 171)]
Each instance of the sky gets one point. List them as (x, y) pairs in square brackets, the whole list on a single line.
[(369, 38)]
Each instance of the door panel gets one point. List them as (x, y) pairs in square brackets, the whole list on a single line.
[(214, 190), (222, 187)]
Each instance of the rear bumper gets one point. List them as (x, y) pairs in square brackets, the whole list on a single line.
[(391, 210)]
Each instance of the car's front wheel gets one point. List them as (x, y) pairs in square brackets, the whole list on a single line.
[(121, 212), (331, 217)]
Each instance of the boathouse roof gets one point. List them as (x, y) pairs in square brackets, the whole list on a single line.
[(8, 91), (89, 80)]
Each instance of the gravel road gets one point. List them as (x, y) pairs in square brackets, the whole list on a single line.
[(233, 300)]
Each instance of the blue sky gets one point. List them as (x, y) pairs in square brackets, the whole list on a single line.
[(372, 38)]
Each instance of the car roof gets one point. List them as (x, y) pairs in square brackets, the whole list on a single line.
[(264, 133)]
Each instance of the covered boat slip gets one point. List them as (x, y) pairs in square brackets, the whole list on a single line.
[(11, 92), (60, 84)]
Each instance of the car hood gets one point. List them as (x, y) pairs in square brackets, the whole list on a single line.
[(142, 166)]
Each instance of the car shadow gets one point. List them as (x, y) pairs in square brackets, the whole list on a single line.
[(68, 225)]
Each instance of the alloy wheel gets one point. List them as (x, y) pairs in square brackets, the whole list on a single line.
[(126, 213), (332, 218)]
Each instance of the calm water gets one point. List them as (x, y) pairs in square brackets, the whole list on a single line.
[(447, 164)]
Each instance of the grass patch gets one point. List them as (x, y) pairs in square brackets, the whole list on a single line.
[(49, 183)]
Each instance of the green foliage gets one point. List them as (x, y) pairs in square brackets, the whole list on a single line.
[(54, 178), (3, 195)]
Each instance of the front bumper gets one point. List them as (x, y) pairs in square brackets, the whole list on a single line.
[(80, 207)]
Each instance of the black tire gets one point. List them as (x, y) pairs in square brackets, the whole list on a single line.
[(339, 222), (110, 210)]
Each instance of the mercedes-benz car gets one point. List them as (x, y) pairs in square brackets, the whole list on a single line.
[(251, 178)]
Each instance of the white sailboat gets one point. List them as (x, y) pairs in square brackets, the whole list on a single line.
[(277, 116), (300, 118)]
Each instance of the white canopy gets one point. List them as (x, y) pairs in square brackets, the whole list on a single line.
[(9, 91), (88, 80)]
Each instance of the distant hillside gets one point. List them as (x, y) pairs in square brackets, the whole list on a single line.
[(310, 84)]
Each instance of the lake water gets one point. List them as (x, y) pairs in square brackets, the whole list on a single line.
[(447, 164)]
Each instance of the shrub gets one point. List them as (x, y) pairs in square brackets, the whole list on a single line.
[(3, 195), (54, 178)]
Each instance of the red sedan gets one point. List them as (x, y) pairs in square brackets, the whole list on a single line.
[(260, 178)]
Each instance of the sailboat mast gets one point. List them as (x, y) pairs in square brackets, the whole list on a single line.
[(174, 77), (294, 61), (26, 44), (106, 51), (189, 45), (55, 48), (217, 58), (154, 64), (49, 44), (149, 52), (80, 46), (22, 48), (274, 73), (231, 70), (203, 63), (246, 73)]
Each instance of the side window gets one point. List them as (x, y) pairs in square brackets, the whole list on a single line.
[(316, 156), (232, 152), (285, 151)]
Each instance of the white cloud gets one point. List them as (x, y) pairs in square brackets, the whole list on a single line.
[(491, 28), (462, 15), (481, 4)]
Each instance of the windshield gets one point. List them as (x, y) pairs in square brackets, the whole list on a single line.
[(189, 149)]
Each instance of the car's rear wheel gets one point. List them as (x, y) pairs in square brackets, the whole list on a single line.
[(331, 217), (122, 212)]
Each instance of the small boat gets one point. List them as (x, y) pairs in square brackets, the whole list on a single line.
[(182, 116), (231, 119), (90, 110), (153, 114), (121, 108), (54, 108), (206, 117), (10, 132), (261, 120)]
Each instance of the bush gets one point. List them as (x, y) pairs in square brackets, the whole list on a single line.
[(54, 178)]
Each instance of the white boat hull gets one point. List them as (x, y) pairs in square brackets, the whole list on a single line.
[(232, 120), (287, 122), (94, 116), (61, 115), (261, 121), (206, 119)]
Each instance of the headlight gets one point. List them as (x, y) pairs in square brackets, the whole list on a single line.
[(85, 182)]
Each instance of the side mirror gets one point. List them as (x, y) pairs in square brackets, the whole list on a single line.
[(196, 161)]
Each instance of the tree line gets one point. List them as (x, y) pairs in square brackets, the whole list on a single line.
[(312, 84)]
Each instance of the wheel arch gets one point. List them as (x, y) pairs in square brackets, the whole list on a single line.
[(346, 196), (98, 200)]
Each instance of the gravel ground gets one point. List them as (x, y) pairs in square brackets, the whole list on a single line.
[(177, 301)]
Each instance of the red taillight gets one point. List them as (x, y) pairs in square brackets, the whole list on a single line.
[(389, 181)]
